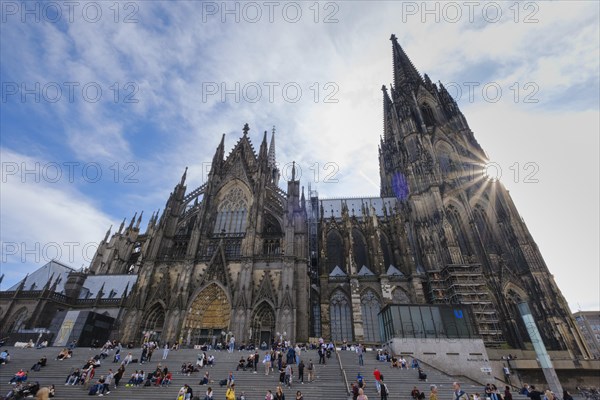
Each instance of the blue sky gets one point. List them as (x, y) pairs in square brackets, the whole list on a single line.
[(137, 91)]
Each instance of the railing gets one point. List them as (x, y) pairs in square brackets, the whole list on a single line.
[(463, 378), (93, 300), (342, 370), (59, 297)]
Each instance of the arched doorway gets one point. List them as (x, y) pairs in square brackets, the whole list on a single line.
[(208, 316), (153, 323), (263, 324)]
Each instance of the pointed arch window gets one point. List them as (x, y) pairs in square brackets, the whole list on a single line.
[(232, 213), (385, 251), (272, 234), (370, 307), (340, 315), (481, 222), (359, 249), (447, 157), (427, 114), (335, 251), (458, 229)]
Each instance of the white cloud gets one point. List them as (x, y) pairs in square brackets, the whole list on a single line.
[(44, 217)]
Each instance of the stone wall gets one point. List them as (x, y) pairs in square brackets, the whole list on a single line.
[(466, 357)]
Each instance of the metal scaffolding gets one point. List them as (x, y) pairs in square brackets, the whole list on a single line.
[(465, 284)]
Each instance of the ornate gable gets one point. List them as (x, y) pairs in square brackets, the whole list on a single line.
[(217, 268), (162, 290), (242, 162), (265, 290)]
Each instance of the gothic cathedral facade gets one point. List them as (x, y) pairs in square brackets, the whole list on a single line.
[(228, 258), (240, 256)]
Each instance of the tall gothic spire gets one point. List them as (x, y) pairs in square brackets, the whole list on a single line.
[(272, 160), (139, 220), (219, 156), (262, 153), (183, 177), (132, 221), (405, 73), (107, 233), (387, 109)]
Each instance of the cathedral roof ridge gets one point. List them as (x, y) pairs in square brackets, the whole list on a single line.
[(351, 198)]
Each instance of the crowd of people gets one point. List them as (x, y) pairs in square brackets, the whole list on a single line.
[(534, 394), (284, 358)]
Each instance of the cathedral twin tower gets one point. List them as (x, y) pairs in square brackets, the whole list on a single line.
[(240, 256)]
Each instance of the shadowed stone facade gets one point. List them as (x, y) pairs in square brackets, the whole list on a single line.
[(229, 256)]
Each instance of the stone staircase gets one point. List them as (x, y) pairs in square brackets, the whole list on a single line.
[(328, 384), (400, 382)]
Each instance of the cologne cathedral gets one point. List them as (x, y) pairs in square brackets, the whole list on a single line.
[(241, 256)]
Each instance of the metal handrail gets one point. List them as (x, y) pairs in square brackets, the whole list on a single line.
[(342, 370)]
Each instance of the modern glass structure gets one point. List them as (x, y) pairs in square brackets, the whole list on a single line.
[(427, 322)]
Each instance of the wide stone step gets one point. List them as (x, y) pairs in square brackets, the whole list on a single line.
[(400, 382), (328, 384)]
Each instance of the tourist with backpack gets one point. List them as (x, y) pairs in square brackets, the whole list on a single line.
[(384, 390), (458, 393)]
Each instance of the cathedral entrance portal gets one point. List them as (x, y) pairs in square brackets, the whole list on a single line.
[(153, 324), (208, 316), (263, 324)]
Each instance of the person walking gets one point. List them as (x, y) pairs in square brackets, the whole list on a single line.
[(289, 372), (433, 393), (377, 375), (165, 351), (322, 355), (267, 362), (359, 351), (311, 371), (459, 394), (385, 391), (279, 394), (301, 372), (230, 395)]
